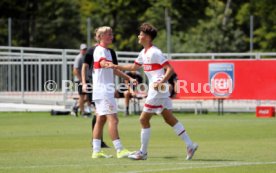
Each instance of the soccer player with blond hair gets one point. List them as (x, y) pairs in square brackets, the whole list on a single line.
[(103, 94)]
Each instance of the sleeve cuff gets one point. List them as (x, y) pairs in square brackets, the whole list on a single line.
[(165, 63), (135, 62)]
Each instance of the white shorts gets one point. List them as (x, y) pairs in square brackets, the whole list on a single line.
[(106, 106), (157, 105)]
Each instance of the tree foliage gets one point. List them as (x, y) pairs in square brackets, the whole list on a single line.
[(197, 25), (264, 14), (211, 35), (51, 23)]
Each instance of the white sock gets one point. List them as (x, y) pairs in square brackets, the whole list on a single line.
[(180, 131), (145, 135), (97, 145), (117, 145), (92, 144)]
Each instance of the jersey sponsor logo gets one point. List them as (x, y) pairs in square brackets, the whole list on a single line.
[(147, 67), (221, 79), (151, 67)]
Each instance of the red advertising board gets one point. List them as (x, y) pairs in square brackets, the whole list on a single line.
[(265, 111), (248, 79)]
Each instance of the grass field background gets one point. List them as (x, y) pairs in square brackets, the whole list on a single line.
[(38, 142)]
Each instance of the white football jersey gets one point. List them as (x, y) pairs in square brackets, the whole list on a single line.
[(153, 61), (103, 78)]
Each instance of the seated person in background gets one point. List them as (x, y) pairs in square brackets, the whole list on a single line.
[(173, 85), (129, 92)]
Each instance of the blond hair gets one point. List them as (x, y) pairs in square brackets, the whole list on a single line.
[(100, 31)]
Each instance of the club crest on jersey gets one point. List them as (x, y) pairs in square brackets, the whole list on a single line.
[(221, 79)]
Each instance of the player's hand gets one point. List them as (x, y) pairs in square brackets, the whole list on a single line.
[(133, 81), (108, 65), (112, 66), (155, 86), (84, 88), (115, 66), (159, 86), (133, 94)]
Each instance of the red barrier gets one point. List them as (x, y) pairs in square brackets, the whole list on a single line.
[(265, 111), (252, 79)]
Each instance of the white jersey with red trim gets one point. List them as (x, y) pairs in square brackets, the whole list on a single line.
[(103, 78), (153, 61)]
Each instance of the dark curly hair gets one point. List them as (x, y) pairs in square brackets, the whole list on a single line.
[(149, 30)]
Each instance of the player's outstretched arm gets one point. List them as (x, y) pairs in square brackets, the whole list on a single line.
[(106, 64), (128, 67)]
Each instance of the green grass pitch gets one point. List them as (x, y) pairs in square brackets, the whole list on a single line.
[(233, 143)]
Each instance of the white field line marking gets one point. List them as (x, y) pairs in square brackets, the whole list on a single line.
[(190, 164), (142, 163), (211, 166)]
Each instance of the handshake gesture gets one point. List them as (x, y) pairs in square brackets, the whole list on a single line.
[(120, 73), (110, 65)]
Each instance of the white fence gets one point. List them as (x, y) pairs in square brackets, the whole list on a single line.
[(24, 72)]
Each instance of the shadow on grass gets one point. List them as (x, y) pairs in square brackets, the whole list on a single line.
[(170, 157)]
